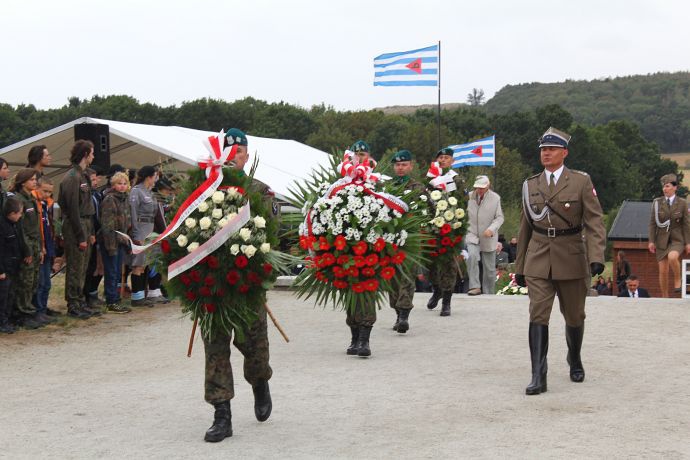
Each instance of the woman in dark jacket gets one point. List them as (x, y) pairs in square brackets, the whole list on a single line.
[(143, 207)]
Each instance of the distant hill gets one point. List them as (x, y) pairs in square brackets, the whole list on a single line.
[(659, 103), (410, 109)]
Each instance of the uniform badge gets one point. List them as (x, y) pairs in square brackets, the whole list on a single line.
[(567, 206)]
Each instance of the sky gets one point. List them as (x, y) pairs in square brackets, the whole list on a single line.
[(308, 52)]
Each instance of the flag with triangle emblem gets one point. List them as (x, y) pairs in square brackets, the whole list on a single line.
[(407, 68), (481, 152)]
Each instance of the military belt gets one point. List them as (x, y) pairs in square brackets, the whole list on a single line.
[(552, 232)]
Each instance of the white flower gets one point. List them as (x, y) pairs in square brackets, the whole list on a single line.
[(436, 195), (232, 193), (192, 246), (205, 223), (217, 213), (231, 216), (452, 201), (424, 213), (265, 247), (218, 197), (249, 250), (423, 197), (190, 222), (442, 205), (182, 241), (245, 234), (222, 222), (203, 207), (439, 221), (448, 215), (457, 225), (260, 222), (523, 290), (235, 249), (459, 213)]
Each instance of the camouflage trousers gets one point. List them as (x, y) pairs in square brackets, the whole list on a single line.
[(402, 294), (219, 383), (27, 281), (443, 276), (362, 315), (77, 261)]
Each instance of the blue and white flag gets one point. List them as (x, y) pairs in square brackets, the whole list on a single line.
[(407, 68), (481, 152)]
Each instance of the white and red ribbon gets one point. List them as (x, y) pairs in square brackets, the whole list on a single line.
[(214, 176), (439, 180)]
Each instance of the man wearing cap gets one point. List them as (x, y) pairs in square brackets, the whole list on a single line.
[(403, 288), (560, 246), (442, 277), (363, 152), (669, 232), (219, 384), (485, 217)]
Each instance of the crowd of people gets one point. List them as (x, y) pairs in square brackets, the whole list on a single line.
[(77, 233)]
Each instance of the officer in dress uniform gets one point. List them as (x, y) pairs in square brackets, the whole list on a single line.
[(403, 288), (219, 383), (561, 244), (669, 232)]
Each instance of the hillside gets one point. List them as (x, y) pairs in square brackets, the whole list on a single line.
[(659, 103)]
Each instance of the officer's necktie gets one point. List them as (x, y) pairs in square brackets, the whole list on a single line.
[(552, 183), (668, 202)]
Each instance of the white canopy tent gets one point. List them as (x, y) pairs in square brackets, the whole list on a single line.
[(133, 145)]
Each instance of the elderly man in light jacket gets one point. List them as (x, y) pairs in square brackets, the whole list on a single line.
[(485, 218)]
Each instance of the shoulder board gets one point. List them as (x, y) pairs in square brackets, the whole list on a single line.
[(579, 172), (534, 176)]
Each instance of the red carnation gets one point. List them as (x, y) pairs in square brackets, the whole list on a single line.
[(387, 273), (244, 288), (359, 261), (306, 242), (212, 262), (353, 271), (268, 268), (209, 280), (383, 261), (220, 292), (442, 250), (165, 246), (360, 248), (395, 247), (232, 277), (371, 285), (446, 241), (433, 254), (368, 271), (432, 242), (372, 259), (379, 245), (458, 239), (399, 258), (358, 287), (253, 278), (327, 259), (340, 242), (339, 272), (340, 284), (185, 279), (323, 244), (241, 261), (445, 229), (191, 296), (195, 275), (209, 307), (205, 291), (342, 260)]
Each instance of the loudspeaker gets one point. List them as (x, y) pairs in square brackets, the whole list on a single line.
[(100, 136)]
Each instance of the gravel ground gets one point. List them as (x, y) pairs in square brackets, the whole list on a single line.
[(122, 387)]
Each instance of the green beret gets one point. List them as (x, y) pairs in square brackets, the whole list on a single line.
[(235, 136), (445, 151), (360, 146), (402, 155)]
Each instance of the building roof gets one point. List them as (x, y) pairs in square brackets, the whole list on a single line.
[(632, 221)]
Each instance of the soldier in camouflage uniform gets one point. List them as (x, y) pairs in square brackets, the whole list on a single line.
[(77, 210), (403, 288), (442, 277), (219, 383)]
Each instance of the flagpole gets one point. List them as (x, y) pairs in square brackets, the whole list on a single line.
[(438, 111)]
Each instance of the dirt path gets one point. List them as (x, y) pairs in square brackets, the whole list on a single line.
[(122, 387)]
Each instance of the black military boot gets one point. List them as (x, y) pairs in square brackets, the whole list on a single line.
[(403, 321), (573, 336), (363, 349), (397, 319), (352, 349), (538, 348), (262, 400), (435, 297), (222, 423), (75, 311), (95, 311), (445, 303)]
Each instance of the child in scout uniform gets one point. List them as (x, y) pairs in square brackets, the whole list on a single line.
[(10, 258)]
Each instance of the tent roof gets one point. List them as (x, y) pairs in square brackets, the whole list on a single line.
[(632, 221), (281, 162)]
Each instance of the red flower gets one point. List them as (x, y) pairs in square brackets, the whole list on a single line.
[(323, 244), (321, 276), (339, 272), (442, 250), (220, 292), (342, 260), (360, 248), (165, 246), (205, 291), (185, 279), (379, 245), (399, 258), (212, 262), (327, 260), (190, 295), (232, 277), (244, 288), (368, 271), (195, 275), (372, 259), (359, 261), (446, 241), (353, 271), (387, 273), (241, 261), (340, 242), (445, 229), (209, 280), (434, 254), (306, 242), (358, 288), (253, 278), (268, 268), (432, 242), (371, 285), (340, 284), (209, 307), (395, 247), (383, 261), (458, 239)]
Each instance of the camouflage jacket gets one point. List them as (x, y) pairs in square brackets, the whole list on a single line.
[(115, 216), (75, 201)]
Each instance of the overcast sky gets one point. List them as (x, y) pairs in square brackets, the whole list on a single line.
[(311, 52)]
